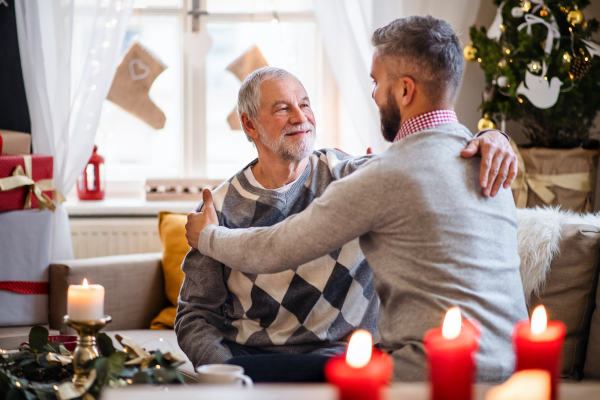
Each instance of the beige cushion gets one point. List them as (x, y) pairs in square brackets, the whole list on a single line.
[(133, 284), (569, 294), (163, 340)]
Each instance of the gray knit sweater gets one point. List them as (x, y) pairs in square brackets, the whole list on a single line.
[(432, 239), (311, 308)]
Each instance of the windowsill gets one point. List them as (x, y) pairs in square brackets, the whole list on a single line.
[(120, 208)]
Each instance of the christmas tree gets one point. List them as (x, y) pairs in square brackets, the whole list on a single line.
[(542, 68)]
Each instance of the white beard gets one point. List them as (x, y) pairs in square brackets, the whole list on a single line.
[(290, 149)]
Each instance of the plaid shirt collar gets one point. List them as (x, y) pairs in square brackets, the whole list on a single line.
[(425, 121)]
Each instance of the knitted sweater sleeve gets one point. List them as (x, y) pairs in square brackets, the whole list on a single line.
[(345, 211)]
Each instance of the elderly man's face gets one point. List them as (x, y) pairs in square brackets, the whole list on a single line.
[(286, 123), (389, 112)]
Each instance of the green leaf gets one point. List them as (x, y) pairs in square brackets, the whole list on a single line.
[(105, 345), (101, 367), (63, 350), (116, 363), (142, 377), (38, 338)]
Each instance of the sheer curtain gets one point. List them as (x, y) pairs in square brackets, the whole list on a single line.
[(65, 102), (346, 28)]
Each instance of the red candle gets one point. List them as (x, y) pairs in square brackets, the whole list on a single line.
[(539, 345), (363, 372), (450, 355)]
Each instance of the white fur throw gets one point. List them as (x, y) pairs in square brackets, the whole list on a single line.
[(539, 235)]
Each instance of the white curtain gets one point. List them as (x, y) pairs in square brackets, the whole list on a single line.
[(66, 87), (346, 28)]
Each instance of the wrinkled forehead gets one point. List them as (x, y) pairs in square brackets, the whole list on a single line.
[(287, 90)]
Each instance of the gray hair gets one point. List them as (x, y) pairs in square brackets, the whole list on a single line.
[(249, 94), (428, 50)]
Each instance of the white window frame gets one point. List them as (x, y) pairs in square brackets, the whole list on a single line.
[(194, 159)]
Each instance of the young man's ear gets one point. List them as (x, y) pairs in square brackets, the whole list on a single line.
[(405, 91)]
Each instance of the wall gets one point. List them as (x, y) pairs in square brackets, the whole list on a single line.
[(473, 85)]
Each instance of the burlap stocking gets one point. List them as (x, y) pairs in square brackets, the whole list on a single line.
[(241, 67), (132, 82)]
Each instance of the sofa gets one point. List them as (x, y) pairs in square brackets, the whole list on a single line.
[(559, 266)]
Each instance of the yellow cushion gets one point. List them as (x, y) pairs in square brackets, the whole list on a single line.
[(171, 229)]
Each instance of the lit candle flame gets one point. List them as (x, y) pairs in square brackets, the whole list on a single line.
[(539, 320), (85, 283), (359, 349), (452, 323)]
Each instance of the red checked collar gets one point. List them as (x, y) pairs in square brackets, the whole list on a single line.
[(425, 121)]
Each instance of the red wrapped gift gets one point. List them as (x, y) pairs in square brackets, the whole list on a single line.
[(26, 182), (14, 142)]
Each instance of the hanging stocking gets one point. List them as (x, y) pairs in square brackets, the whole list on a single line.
[(132, 82)]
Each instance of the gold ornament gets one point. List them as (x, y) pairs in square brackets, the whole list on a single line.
[(486, 123), (544, 12), (526, 6), (575, 17), (470, 53)]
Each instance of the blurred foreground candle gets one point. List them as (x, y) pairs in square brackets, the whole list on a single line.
[(450, 354), (529, 384), (363, 372), (538, 345), (85, 302)]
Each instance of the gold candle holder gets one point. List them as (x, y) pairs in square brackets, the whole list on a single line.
[(86, 349)]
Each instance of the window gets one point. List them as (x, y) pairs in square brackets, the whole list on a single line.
[(197, 140)]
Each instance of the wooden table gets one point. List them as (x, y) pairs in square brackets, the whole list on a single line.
[(398, 391)]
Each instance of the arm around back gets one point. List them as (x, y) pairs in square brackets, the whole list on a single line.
[(348, 209)]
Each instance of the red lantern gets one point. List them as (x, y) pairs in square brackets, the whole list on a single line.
[(91, 185)]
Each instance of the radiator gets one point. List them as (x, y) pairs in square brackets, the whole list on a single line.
[(97, 237)]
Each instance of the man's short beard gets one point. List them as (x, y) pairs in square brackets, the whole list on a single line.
[(390, 118), (287, 148)]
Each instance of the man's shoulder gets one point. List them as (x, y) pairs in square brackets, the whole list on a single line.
[(338, 163)]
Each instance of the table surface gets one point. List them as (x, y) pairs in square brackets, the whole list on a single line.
[(398, 391)]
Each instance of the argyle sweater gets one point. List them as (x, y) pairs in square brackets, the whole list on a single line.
[(312, 308)]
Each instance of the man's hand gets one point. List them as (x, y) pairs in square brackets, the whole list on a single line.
[(498, 161), (197, 221)]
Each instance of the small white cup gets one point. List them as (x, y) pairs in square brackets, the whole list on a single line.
[(223, 374)]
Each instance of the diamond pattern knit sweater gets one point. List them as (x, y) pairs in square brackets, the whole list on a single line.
[(312, 308)]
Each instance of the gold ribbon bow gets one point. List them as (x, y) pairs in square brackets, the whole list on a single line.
[(539, 183), (20, 178)]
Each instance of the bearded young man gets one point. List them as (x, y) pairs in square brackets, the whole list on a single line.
[(432, 238), (315, 308)]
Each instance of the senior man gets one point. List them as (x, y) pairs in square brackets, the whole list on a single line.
[(432, 239)]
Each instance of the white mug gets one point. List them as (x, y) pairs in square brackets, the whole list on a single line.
[(223, 374)]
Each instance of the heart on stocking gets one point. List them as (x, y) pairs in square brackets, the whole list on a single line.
[(140, 65)]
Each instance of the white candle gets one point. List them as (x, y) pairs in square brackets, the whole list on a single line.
[(85, 302)]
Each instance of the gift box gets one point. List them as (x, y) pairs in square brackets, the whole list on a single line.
[(555, 177), (26, 182), (25, 238), (14, 142)]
